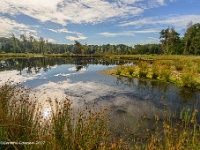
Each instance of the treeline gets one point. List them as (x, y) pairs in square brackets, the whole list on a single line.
[(31, 45), (170, 43)]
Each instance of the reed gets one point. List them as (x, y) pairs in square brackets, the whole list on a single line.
[(155, 71), (143, 65), (88, 127)]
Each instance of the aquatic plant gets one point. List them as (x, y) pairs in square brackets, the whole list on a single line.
[(188, 80), (88, 127), (143, 65), (131, 70), (155, 71), (118, 71), (179, 65), (165, 74), (21, 120)]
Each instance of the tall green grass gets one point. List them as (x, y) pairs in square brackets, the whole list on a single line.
[(88, 128), (143, 65), (180, 72), (21, 120)]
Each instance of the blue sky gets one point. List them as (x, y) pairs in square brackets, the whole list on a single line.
[(98, 22)]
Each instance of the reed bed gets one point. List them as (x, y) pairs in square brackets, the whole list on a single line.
[(87, 128), (181, 72)]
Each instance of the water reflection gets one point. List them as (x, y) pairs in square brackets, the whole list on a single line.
[(35, 65), (79, 79)]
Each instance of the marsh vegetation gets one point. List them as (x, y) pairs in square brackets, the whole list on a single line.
[(65, 127), (182, 71)]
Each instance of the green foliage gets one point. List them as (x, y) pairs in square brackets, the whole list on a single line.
[(118, 71), (143, 65), (179, 65), (148, 49), (192, 37), (21, 120), (131, 70), (171, 43), (189, 81), (165, 74), (169, 39), (155, 71), (87, 128)]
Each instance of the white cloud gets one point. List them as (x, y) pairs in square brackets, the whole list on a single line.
[(130, 1), (153, 38), (161, 2), (9, 26), (67, 11), (78, 37), (108, 34), (129, 33), (50, 40), (140, 22), (147, 31), (63, 30), (177, 21)]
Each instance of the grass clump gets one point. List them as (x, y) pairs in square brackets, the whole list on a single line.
[(179, 65), (155, 71), (68, 128), (16, 117), (188, 80), (118, 71), (131, 70), (165, 74), (143, 65), (171, 132), (179, 71), (22, 120)]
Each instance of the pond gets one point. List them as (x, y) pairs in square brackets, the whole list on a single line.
[(81, 81)]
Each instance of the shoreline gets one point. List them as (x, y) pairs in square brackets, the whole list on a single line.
[(181, 79)]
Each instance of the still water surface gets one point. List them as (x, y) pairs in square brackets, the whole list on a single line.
[(80, 79)]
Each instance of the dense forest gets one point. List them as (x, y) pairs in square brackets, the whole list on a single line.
[(170, 43)]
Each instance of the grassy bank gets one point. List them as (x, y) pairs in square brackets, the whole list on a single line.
[(19, 55), (183, 71), (121, 57), (21, 120), (154, 57)]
